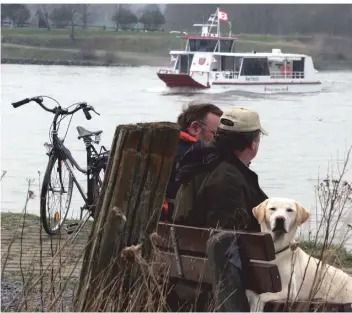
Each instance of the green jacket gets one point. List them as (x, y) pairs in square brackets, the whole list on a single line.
[(216, 190)]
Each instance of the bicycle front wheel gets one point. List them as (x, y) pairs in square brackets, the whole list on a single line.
[(56, 195)]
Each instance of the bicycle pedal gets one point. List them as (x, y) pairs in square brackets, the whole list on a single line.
[(72, 225), (70, 231), (71, 228)]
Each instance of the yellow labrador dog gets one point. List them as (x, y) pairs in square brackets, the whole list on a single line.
[(300, 273)]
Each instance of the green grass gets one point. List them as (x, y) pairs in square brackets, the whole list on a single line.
[(92, 32), (260, 38), (344, 257), (142, 39), (14, 220), (157, 43), (10, 218), (152, 48), (243, 46), (28, 53), (141, 44)]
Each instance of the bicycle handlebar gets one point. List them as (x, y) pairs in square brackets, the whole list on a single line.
[(86, 113), (58, 110), (19, 103)]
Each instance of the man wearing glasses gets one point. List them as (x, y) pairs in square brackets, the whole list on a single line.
[(198, 122)]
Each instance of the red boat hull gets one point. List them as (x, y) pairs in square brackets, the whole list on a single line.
[(180, 80)]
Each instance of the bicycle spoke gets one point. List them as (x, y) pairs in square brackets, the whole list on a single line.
[(58, 195)]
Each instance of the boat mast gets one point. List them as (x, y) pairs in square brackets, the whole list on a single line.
[(213, 21), (218, 22)]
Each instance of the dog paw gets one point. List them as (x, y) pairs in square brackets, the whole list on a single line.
[(255, 305)]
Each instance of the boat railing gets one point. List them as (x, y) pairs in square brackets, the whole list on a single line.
[(166, 71), (287, 75), (229, 74)]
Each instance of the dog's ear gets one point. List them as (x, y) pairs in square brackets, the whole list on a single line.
[(302, 214), (259, 211)]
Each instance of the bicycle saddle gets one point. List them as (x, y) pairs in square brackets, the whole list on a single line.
[(82, 132)]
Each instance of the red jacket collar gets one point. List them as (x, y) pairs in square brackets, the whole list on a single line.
[(187, 137)]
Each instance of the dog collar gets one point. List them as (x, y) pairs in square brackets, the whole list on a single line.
[(292, 246)]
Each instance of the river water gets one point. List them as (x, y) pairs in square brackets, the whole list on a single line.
[(308, 133)]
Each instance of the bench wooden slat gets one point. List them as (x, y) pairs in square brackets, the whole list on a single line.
[(303, 306), (258, 277), (193, 241)]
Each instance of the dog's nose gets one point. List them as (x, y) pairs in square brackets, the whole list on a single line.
[(280, 218), (279, 224)]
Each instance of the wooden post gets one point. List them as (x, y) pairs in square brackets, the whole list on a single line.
[(128, 210)]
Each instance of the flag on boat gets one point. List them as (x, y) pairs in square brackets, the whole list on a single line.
[(222, 16)]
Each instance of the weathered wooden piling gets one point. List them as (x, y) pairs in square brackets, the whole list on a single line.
[(127, 212)]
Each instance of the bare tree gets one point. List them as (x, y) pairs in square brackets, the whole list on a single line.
[(45, 15), (85, 14)]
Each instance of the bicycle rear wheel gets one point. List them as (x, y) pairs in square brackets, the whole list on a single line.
[(56, 195)]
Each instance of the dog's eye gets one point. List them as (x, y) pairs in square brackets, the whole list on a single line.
[(272, 209), (289, 210)]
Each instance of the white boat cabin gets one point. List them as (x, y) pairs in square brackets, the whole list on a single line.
[(210, 59), (216, 55)]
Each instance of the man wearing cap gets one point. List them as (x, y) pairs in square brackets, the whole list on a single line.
[(218, 189)]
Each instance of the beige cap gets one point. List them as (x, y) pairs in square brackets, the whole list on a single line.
[(241, 120)]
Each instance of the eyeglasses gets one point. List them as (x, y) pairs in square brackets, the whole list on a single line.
[(212, 130)]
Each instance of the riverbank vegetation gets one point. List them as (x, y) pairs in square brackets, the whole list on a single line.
[(152, 48)]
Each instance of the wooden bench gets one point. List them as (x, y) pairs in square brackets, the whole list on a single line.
[(183, 250)]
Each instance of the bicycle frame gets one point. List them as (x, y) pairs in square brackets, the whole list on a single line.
[(65, 154)]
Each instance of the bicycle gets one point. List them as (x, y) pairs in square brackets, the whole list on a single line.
[(61, 159)]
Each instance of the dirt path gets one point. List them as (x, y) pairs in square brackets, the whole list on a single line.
[(21, 248)]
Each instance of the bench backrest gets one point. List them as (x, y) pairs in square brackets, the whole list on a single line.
[(183, 249)]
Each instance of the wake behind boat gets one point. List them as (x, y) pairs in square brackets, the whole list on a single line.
[(210, 60)]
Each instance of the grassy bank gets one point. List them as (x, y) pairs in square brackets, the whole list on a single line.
[(12, 221), (41, 273), (138, 48)]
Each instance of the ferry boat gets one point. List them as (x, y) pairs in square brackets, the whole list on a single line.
[(210, 60)]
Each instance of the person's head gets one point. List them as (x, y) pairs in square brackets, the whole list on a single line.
[(200, 119), (240, 130)]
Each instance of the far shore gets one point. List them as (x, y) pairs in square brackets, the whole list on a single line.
[(109, 48), (61, 62)]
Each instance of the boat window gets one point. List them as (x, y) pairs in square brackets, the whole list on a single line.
[(184, 63), (206, 45), (295, 68), (298, 66), (226, 45), (238, 62), (255, 67), (227, 63), (173, 61)]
